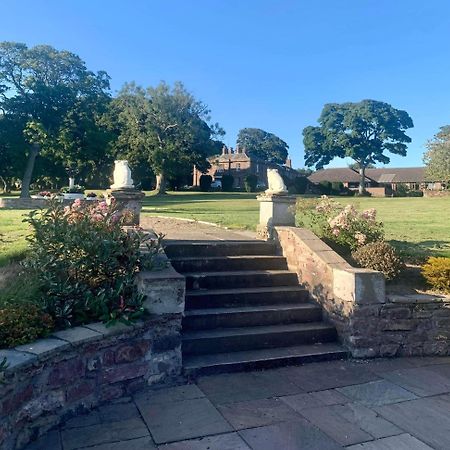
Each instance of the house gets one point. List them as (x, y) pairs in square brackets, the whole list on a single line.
[(239, 164), (379, 182)]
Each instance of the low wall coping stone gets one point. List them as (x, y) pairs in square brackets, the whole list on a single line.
[(16, 359), (418, 298), (78, 335), (43, 347)]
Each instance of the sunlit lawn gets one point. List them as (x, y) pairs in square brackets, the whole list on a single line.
[(415, 225)]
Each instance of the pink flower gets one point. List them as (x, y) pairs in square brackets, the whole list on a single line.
[(360, 237)]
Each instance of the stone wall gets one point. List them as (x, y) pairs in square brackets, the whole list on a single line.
[(22, 203), (368, 323), (77, 369)]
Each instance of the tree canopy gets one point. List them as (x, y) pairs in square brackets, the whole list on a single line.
[(264, 145), (51, 105), (364, 131), (164, 127), (437, 156)]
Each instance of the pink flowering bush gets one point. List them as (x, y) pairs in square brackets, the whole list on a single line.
[(86, 262), (341, 226)]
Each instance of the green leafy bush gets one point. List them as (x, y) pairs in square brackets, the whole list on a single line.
[(23, 323), (325, 188), (343, 227), (86, 262), (3, 366), (300, 184), (250, 182), (437, 273), (227, 182), (205, 183), (379, 256)]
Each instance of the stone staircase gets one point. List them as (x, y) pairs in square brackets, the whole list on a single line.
[(245, 309)]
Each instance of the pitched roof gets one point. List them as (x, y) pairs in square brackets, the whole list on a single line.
[(381, 175), (342, 175)]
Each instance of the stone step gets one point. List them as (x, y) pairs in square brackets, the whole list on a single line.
[(244, 316), (207, 364), (229, 263), (202, 249), (239, 279), (223, 340), (220, 298)]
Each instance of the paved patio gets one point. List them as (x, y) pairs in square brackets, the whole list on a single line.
[(388, 404)]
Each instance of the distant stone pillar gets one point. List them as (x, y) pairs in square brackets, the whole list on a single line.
[(275, 210)]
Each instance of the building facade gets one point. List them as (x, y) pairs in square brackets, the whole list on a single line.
[(239, 164)]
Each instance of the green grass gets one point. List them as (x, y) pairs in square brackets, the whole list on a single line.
[(417, 226)]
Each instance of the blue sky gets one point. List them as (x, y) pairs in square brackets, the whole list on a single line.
[(261, 63)]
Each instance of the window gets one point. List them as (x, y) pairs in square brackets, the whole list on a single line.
[(238, 166)]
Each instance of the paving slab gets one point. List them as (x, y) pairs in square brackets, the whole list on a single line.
[(237, 387), (83, 420), (75, 438), (376, 393), (116, 412), (256, 413), (50, 441), (402, 442), (366, 419), (171, 394), (422, 381), (427, 419), (298, 435), (336, 426), (229, 441), (323, 376), (181, 420), (330, 397)]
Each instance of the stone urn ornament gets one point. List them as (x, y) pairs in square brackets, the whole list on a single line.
[(122, 175)]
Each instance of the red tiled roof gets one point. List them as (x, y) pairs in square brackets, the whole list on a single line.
[(342, 175)]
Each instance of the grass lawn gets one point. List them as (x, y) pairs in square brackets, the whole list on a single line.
[(414, 225)]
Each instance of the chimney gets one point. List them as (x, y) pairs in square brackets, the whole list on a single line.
[(288, 163), (224, 150)]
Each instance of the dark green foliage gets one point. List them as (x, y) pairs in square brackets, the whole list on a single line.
[(437, 156), (86, 263), (363, 131), (337, 187), (22, 323), (263, 145), (379, 256), (205, 183), (325, 187), (403, 191), (300, 184), (250, 182), (227, 182)]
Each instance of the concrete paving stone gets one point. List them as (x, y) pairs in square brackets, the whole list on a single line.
[(43, 347), (366, 419), (430, 360), (330, 397), (299, 402), (401, 442), (236, 387), (144, 443), (256, 413), (171, 394), (336, 426), (50, 441), (298, 435), (185, 419), (427, 419), (229, 441), (323, 376), (382, 365), (376, 393), (104, 433), (422, 381), (117, 412), (83, 420)]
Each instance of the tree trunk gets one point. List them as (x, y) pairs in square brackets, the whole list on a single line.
[(26, 181), (5, 185), (160, 184), (362, 179)]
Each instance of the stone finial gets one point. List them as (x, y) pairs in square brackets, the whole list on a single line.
[(122, 175)]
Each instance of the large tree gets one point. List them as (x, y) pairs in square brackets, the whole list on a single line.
[(54, 105), (263, 144), (363, 131), (164, 127), (437, 156)]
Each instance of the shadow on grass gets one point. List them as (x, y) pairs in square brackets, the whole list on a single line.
[(189, 197), (418, 252)]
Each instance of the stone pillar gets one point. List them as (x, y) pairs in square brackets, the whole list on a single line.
[(275, 210), (129, 203)]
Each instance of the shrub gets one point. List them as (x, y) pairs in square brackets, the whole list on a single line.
[(205, 183), (86, 262), (325, 188), (344, 228), (3, 366), (337, 187), (379, 256), (227, 182), (23, 323), (299, 185), (250, 182), (437, 273)]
